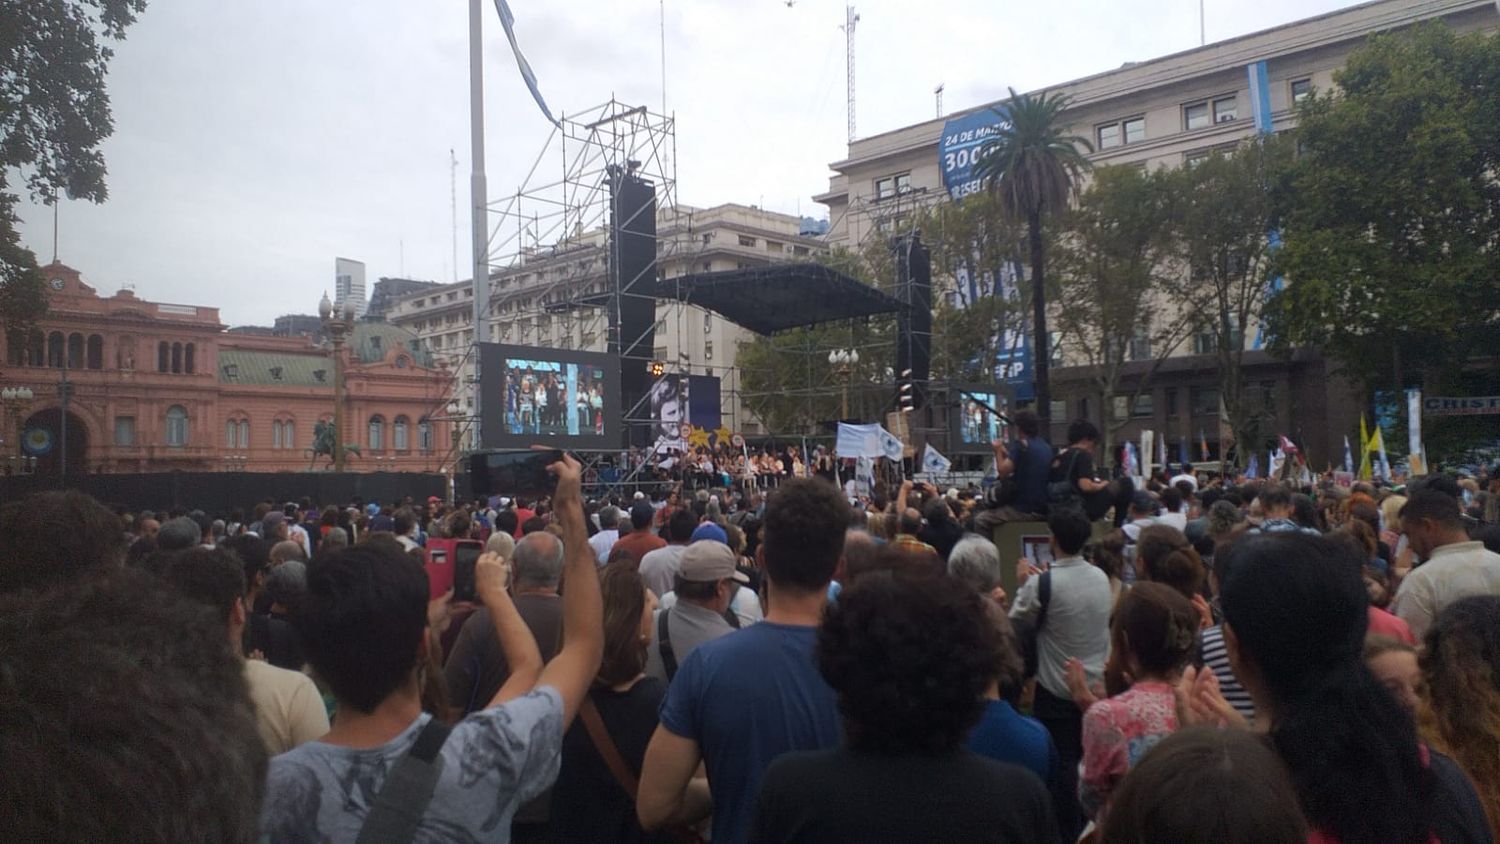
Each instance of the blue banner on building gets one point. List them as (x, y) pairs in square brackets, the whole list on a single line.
[(958, 150)]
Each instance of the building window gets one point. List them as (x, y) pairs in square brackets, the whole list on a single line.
[(1140, 343), (237, 433), (708, 322), (96, 352), (124, 430), (1205, 401), (188, 359), (424, 435), (1119, 407), (1193, 159), (288, 434), (377, 433), (163, 357), (1203, 342), (774, 246), (1301, 90), (176, 358), (1195, 116), (1171, 396), (177, 426), (1144, 406), (75, 351), (1226, 109), (15, 348), (399, 433), (1108, 135), (37, 348), (55, 344), (1059, 411), (1135, 130), (747, 240), (903, 183), (799, 250), (885, 188)]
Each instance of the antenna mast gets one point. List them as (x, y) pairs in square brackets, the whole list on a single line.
[(938, 92), (850, 19)]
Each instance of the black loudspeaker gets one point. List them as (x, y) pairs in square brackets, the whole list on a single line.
[(914, 322), (632, 317)]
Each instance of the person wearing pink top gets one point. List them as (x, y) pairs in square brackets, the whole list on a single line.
[(1153, 635)]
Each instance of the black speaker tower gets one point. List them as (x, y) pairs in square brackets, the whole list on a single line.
[(632, 312), (914, 321)]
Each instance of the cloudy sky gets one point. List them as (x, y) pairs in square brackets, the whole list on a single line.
[(254, 142)]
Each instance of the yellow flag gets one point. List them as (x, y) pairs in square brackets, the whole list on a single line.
[(1365, 471)]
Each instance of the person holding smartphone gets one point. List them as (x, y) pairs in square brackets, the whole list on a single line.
[(367, 611)]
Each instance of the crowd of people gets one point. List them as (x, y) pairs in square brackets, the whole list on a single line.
[(1195, 660)]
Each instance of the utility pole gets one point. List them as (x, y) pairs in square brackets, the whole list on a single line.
[(850, 19), (453, 203), (938, 92), (479, 202)]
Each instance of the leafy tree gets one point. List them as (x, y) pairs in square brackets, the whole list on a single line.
[(54, 114), (1115, 271), (1034, 168), (1224, 210), (1391, 250), (974, 244)]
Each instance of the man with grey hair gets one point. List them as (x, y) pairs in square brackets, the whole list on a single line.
[(178, 534), (975, 561), (476, 667), (608, 535), (286, 550)]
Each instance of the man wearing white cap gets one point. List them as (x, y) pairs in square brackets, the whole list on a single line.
[(704, 586)]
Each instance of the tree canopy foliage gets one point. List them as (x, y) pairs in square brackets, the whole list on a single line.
[(54, 115)]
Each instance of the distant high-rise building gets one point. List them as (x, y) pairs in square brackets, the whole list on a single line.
[(298, 325), (388, 289), (349, 285)]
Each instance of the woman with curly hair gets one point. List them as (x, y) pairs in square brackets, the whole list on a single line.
[(1461, 669), (910, 658), (1295, 617)]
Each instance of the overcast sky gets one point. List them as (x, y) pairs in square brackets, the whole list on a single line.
[(254, 142)]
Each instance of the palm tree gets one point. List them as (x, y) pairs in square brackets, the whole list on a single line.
[(1035, 168)]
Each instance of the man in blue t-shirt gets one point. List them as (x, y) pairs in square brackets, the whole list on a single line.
[(742, 700)]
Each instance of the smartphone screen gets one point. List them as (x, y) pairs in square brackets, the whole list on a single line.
[(513, 472), (465, 555)]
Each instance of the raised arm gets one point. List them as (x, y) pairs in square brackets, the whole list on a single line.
[(521, 654), (573, 669)]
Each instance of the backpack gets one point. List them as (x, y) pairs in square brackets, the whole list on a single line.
[(1026, 632), (1064, 493)]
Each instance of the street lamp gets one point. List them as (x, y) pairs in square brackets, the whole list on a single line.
[(843, 362), (338, 327), (16, 401)]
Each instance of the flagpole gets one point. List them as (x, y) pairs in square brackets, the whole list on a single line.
[(479, 202)]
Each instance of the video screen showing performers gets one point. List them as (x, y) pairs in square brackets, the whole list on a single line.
[(974, 425), (554, 397)]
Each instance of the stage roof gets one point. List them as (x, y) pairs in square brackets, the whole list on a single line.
[(778, 297)]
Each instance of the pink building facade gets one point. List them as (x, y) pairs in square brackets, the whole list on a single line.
[(157, 387)]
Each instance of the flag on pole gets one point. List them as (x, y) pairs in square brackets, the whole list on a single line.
[(1377, 442), (1253, 470), (1203, 444), (1184, 455), (508, 21), (934, 463), (1161, 451), (1365, 472), (1287, 445), (1132, 463), (1348, 456)]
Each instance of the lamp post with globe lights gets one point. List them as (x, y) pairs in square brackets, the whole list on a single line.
[(843, 362), (339, 327)]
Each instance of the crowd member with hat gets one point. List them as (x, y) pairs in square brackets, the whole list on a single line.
[(641, 540), (697, 610), (744, 604)]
